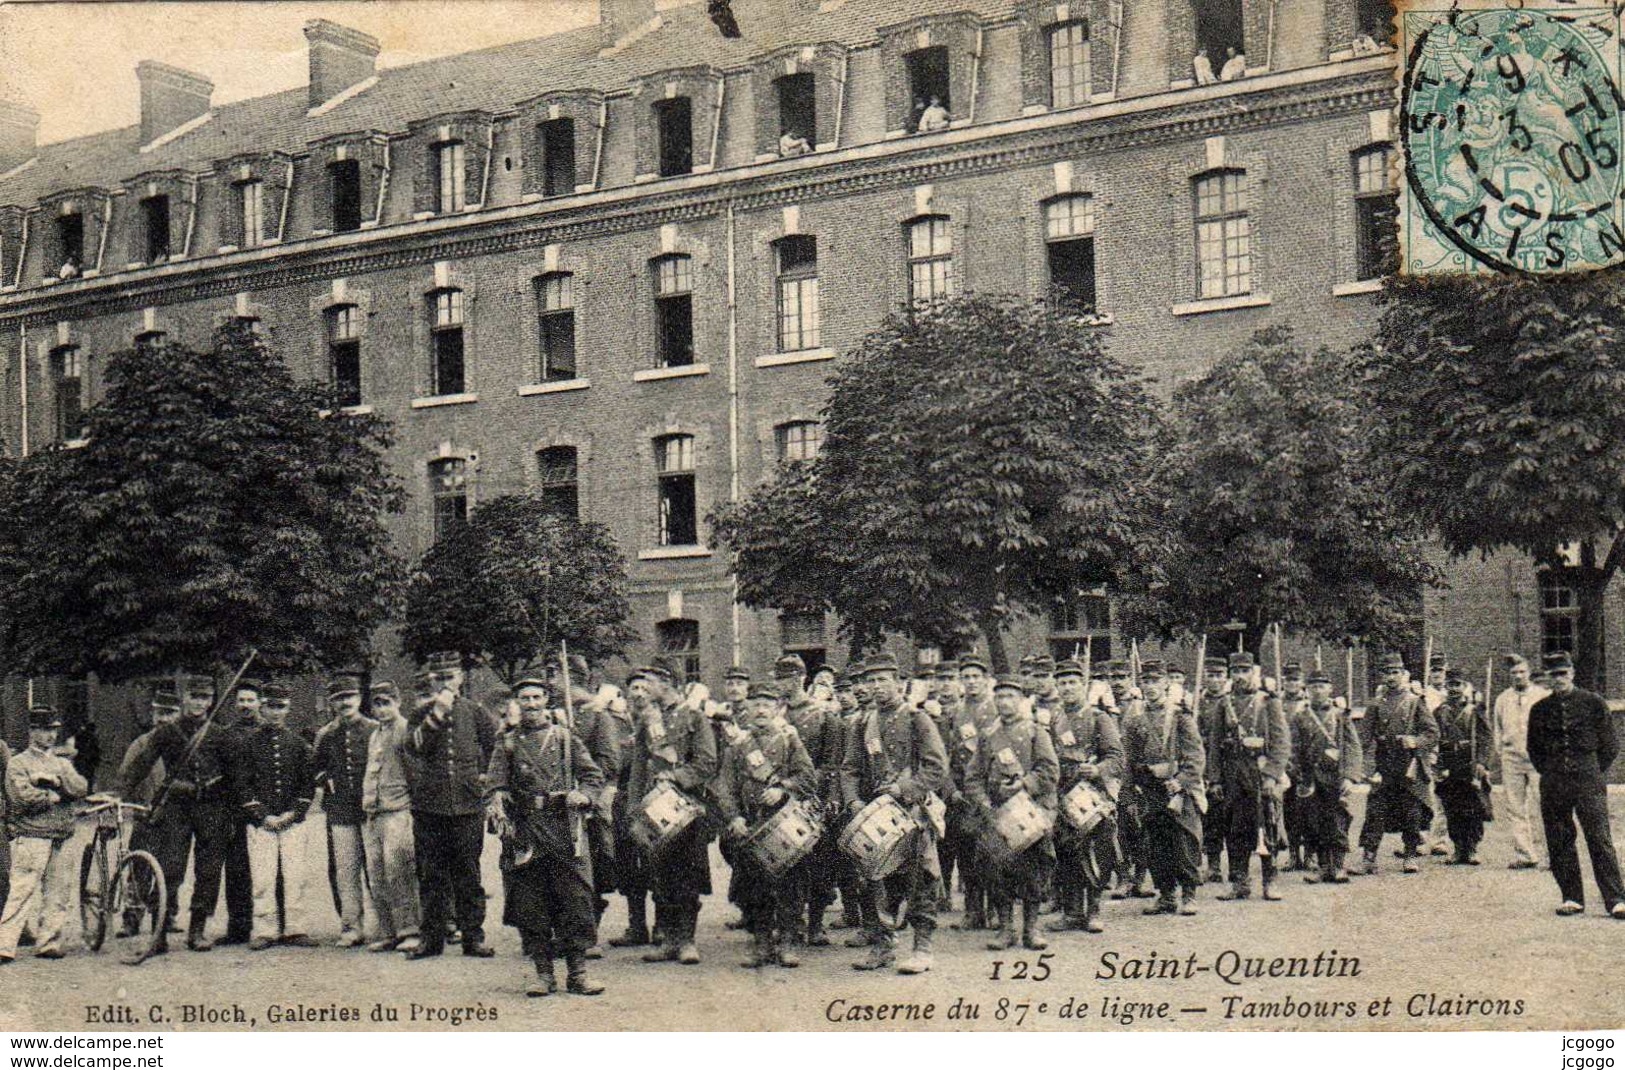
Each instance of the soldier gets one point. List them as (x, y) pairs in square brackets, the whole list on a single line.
[(726, 718), (539, 786), (673, 744), (1134, 866), (1572, 744), (896, 751), (595, 726), (1463, 774), (452, 738), (964, 822), (1015, 755), (387, 837), (39, 788), (1165, 757), (340, 773), (1436, 839), (631, 863), (823, 735), (1253, 751), (164, 707), (1293, 700), (1403, 735), (1089, 749), (947, 710), (277, 783), (1518, 775), (1216, 822), (846, 875), (1329, 762), (239, 877), (1046, 702), (765, 768)]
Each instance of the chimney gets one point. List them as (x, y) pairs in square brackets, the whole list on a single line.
[(340, 58), (19, 127), (170, 98), (620, 19)]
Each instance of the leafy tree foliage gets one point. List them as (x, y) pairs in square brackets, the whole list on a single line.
[(1500, 401), (213, 510), (983, 457), (513, 581), (1281, 506)]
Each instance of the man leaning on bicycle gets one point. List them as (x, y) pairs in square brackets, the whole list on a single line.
[(40, 788)]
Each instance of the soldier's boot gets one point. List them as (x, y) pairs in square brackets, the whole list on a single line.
[(1267, 874), (196, 940), (1142, 886), (545, 983), (760, 953), (1091, 911), (1368, 862), (860, 938), (575, 980), (1336, 867), (1031, 938), (1241, 888), (1187, 902), (882, 951), (920, 960), (850, 918), (1006, 937), (1165, 904), (1411, 865), (784, 951), (668, 940), (637, 924), (687, 952), (816, 936)]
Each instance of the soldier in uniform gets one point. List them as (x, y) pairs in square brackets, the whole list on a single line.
[(239, 878), (1465, 742), (452, 739), (964, 822), (1253, 753), (1436, 840), (1015, 755), (1294, 700), (896, 751), (1216, 822), (387, 837), (165, 706), (631, 863), (539, 787), (1403, 736), (595, 726), (947, 709), (40, 787), (1090, 750), (1572, 744), (1041, 677), (673, 744), (824, 738), (340, 773), (726, 718), (1166, 759), (1329, 762), (1134, 867), (765, 768), (277, 784), (846, 875)]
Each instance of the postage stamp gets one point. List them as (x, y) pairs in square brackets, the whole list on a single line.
[(1510, 118)]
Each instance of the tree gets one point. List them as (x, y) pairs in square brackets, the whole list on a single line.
[(513, 581), (214, 509), (1500, 400), (983, 457), (1281, 507)]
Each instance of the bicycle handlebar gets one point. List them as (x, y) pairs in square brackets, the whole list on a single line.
[(107, 802)]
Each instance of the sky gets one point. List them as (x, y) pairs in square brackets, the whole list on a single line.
[(75, 62)]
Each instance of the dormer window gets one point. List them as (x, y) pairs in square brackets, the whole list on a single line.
[(1221, 52), (344, 179), (928, 84), (558, 138), (251, 203), (1069, 64), (70, 241), (798, 112), (450, 171), (674, 123), (155, 221)]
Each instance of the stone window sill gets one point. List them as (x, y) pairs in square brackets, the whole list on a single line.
[(668, 553), (556, 386), (444, 399), (1363, 286), (680, 371), (1221, 304), (347, 410), (800, 356), (75, 443)]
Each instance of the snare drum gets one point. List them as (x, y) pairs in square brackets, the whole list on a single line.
[(785, 838), (662, 816), (879, 838), (1086, 806), (1017, 825)]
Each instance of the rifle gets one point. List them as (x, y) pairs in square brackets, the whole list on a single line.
[(578, 828), (172, 775)]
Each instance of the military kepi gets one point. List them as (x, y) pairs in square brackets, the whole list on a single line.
[(44, 717)]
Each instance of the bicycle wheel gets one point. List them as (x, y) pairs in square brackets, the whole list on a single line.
[(138, 901), (93, 881)]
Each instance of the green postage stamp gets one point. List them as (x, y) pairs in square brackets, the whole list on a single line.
[(1513, 137)]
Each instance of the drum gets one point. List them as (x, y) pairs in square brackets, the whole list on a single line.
[(1086, 806), (1017, 825), (785, 838), (879, 838), (662, 816)]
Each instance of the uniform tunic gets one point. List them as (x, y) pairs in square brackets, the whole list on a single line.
[(765, 755), (1326, 753), (1016, 755), (1399, 802), (1464, 743), (1087, 736), (676, 742), (453, 751), (1163, 744), (824, 736), (1572, 744), (1254, 747), (1216, 822)]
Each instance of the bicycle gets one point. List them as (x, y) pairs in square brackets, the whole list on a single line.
[(118, 887)]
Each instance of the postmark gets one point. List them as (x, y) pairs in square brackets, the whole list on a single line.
[(1514, 141)]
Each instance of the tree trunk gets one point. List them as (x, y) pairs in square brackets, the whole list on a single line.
[(993, 632), (1590, 627)]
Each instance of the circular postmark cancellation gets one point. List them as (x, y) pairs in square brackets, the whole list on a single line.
[(1514, 137)]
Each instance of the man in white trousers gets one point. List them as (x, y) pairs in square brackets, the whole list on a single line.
[(278, 779), (1518, 774)]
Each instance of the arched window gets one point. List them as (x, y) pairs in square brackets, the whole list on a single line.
[(344, 352), (151, 340), (799, 441), (1375, 213), (930, 259), (679, 640), (1069, 64), (68, 380), (674, 311), (446, 333), (679, 506), (797, 256), (559, 481), (1224, 241), (251, 212), (1069, 245), (556, 311), (448, 493)]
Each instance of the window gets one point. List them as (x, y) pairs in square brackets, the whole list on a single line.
[(798, 292), (555, 303), (155, 226), (344, 352), (448, 491), (251, 202), (151, 340), (1069, 65), (799, 441), (927, 81), (674, 311), (674, 460), (680, 640), (68, 374), (1375, 214), (930, 259), (447, 338), (449, 176), (674, 121), (70, 239), (344, 179), (798, 106), (556, 469), (1224, 253), (1374, 18), (1069, 233), (1219, 30), (1081, 621), (249, 325), (1559, 612), (558, 157), (802, 633)]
